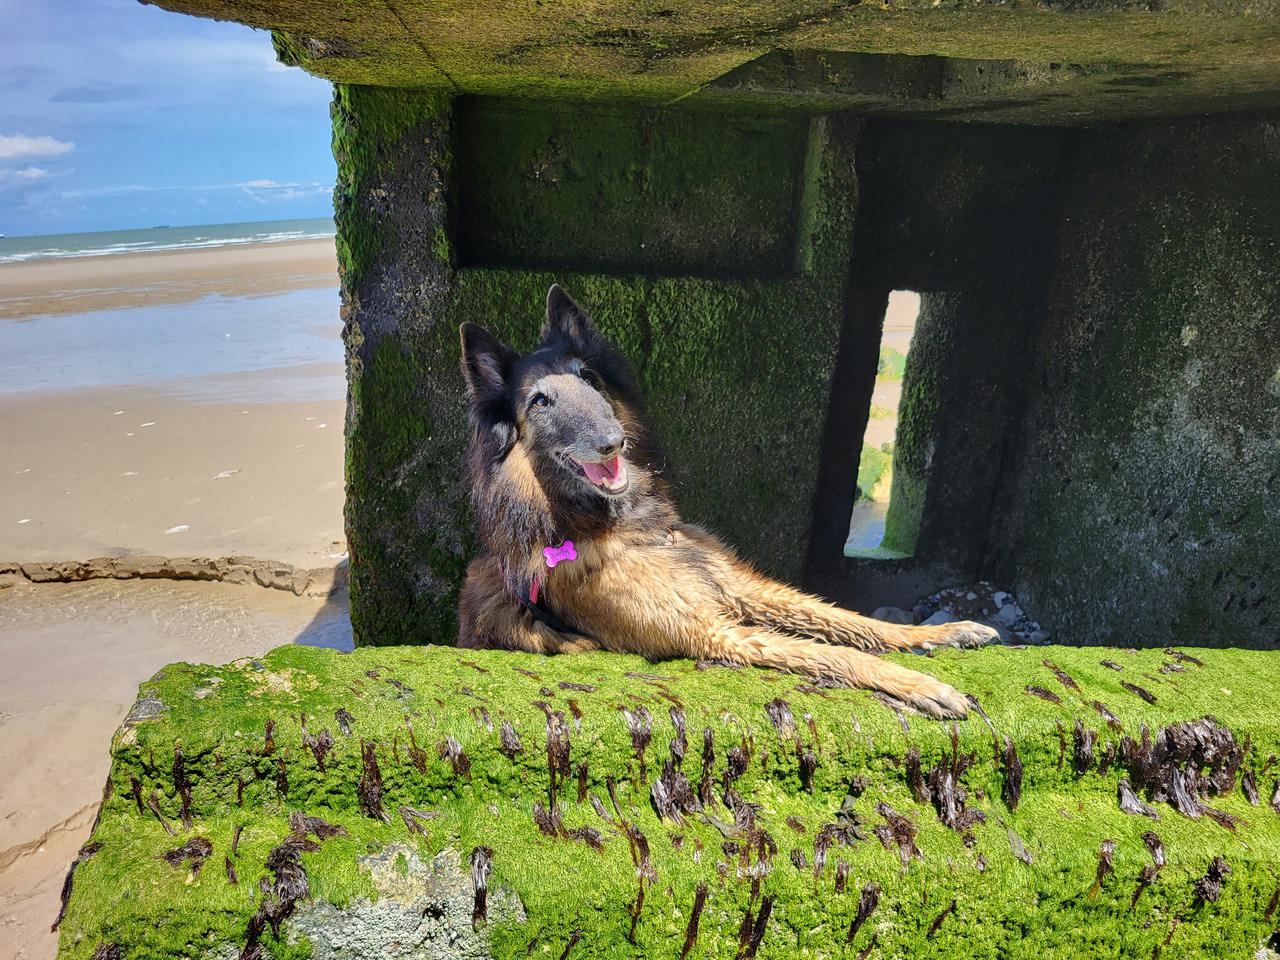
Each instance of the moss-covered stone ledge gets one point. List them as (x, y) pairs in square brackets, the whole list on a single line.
[(592, 797)]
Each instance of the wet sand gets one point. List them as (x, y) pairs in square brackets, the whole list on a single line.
[(74, 655), (177, 404), (74, 284)]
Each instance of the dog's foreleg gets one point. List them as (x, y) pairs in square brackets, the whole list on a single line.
[(781, 607), (766, 648), (489, 617)]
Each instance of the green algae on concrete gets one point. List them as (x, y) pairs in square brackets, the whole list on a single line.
[(1022, 881), (1057, 61), (1146, 499), (736, 369)]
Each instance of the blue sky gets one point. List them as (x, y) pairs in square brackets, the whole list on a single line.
[(116, 115)]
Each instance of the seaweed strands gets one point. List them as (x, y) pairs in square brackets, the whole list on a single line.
[(1186, 763), (1209, 887), (1042, 693), (87, 851), (897, 831), (942, 786), (345, 720), (558, 749), (640, 724), (1131, 803), (937, 922), (450, 749), (672, 794), (1105, 866), (1249, 786), (868, 900), (414, 819), (1138, 691), (369, 786), (281, 895), (1182, 657), (1149, 872), (509, 741), (1112, 720), (1064, 678), (706, 793), (679, 742), (481, 865), (1082, 753), (318, 745), (194, 852), (108, 951), (808, 767), (182, 785), (751, 934), (153, 804), (695, 917), (780, 716), (1011, 788)]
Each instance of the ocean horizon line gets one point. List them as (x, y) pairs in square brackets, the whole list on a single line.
[(99, 243)]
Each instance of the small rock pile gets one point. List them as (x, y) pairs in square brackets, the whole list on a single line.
[(982, 601)]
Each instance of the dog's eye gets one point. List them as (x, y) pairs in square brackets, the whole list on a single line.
[(539, 400)]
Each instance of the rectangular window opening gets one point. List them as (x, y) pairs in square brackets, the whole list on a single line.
[(871, 533)]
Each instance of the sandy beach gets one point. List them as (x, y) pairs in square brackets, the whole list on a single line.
[(74, 284), (179, 404)]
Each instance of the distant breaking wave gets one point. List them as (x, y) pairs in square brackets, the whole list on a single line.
[(108, 242)]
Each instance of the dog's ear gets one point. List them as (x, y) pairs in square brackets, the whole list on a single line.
[(568, 323), (486, 362)]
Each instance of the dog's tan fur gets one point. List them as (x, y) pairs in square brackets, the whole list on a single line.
[(671, 589)]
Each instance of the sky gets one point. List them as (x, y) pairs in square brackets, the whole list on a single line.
[(115, 115)]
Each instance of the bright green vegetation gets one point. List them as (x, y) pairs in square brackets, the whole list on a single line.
[(407, 701), (882, 413), (892, 364), (875, 473)]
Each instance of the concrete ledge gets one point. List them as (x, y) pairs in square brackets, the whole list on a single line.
[(315, 582)]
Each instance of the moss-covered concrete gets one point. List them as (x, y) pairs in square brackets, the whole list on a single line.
[(736, 369), (1022, 880), (1059, 61), (1146, 502)]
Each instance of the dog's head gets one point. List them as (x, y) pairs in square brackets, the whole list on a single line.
[(570, 408)]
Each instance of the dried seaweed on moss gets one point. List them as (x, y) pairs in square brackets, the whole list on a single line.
[(937, 922), (808, 766), (798, 859), (268, 738), (915, 774), (1209, 887), (1082, 753), (1131, 803), (1064, 678), (108, 951), (153, 804), (1105, 866), (1249, 786), (450, 749), (1011, 788), (640, 725), (672, 795), (680, 742), (194, 852), (1042, 693), (1112, 720), (1138, 691), (897, 831), (232, 877), (695, 917), (780, 716), (509, 741), (755, 936), (414, 819), (1185, 764), (345, 720), (369, 786), (182, 785), (86, 851), (842, 875), (579, 687), (1111, 665), (1182, 657), (481, 865), (868, 900), (318, 745)]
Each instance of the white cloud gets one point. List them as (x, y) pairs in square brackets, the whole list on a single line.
[(12, 178), (20, 145), (261, 184)]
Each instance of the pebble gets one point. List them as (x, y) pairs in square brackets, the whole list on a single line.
[(940, 618), (892, 615)]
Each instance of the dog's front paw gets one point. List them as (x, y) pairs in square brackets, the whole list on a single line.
[(939, 700), (968, 634)]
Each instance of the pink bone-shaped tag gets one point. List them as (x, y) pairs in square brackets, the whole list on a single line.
[(563, 552)]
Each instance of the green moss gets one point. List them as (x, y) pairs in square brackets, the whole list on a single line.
[(873, 466), (123, 894), (892, 363)]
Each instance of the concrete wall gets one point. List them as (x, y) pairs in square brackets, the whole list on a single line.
[(1144, 507)]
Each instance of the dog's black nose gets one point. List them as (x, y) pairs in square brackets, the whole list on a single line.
[(610, 443)]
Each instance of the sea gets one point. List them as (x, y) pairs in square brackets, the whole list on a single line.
[(106, 242)]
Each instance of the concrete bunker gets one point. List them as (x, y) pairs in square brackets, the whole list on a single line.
[(1089, 205)]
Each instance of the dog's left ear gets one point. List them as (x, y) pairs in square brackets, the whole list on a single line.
[(568, 322)]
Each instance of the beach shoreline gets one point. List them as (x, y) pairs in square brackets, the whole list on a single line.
[(60, 285)]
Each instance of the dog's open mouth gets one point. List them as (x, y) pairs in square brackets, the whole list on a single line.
[(609, 476)]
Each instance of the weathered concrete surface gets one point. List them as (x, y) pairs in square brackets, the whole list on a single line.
[(460, 741), (273, 574), (1146, 501), (1058, 61), (733, 342)]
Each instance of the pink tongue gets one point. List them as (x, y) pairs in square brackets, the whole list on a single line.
[(599, 473)]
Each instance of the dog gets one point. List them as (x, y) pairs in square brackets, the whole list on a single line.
[(582, 548)]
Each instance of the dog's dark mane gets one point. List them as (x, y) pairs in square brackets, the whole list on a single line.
[(514, 515)]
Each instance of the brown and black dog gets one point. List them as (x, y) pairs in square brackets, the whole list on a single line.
[(582, 547)]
